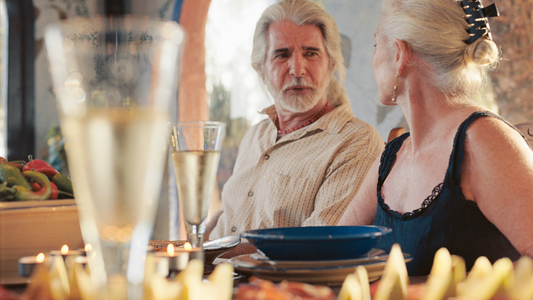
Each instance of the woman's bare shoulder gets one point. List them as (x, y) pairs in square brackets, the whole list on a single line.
[(497, 174), (494, 134)]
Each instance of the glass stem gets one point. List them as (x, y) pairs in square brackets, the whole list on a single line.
[(195, 237)]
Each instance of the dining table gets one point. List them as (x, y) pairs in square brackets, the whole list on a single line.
[(249, 262), (16, 291)]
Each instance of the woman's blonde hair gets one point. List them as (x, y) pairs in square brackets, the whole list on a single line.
[(437, 31), (304, 12)]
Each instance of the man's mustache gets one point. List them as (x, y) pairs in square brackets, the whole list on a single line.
[(298, 82)]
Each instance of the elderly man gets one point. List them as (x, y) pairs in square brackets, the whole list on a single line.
[(303, 164)]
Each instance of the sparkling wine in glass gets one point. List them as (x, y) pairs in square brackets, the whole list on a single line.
[(114, 78), (195, 155)]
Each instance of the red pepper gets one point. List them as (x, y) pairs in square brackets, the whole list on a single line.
[(54, 191), (39, 165), (35, 186)]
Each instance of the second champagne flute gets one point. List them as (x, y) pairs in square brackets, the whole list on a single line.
[(195, 155)]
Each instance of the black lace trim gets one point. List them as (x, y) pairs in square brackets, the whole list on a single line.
[(389, 156), (453, 173), (410, 215)]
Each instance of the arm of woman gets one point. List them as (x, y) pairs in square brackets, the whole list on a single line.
[(362, 209), (497, 173)]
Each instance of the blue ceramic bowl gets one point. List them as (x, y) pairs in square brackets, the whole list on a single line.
[(316, 243)]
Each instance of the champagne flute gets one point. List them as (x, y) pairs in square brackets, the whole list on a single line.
[(195, 156), (114, 78)]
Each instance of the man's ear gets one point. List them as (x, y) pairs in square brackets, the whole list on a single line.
[(403, 55)]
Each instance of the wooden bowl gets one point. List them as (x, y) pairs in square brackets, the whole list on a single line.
[(30, 227)]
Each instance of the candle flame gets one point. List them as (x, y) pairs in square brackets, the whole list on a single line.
[(88, 247), (170, 249), (187, 246), (64, 250), (40, 257)]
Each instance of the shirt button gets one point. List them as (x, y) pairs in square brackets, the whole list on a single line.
[(250, 194), (266, 156), (233, 229)]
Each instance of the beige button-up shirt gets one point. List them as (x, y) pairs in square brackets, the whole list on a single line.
[(307, 178)]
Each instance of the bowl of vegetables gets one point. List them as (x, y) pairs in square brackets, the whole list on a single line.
[(33, 180), (38, 213)]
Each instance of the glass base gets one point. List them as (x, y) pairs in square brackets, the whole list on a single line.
[(195, 236), (196, 239)]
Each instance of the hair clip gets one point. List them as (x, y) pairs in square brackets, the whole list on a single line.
[(477, 16)]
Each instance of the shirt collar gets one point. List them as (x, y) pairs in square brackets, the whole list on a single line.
[(332, 122)]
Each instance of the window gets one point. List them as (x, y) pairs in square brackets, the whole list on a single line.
[(234, 87), (20, 73)]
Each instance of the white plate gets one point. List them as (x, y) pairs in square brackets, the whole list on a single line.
[(373, 255), (215, 248), (331, 273)]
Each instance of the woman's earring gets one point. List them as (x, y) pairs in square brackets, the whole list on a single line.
[(395, 89)]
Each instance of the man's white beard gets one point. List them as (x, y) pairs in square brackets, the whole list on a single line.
[(298, 103)]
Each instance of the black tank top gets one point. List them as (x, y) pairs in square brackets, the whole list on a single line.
[(445, 219)]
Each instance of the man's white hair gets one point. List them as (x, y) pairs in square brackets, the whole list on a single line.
[(304, 12)]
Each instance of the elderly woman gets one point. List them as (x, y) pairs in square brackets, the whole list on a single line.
[(462, 178)]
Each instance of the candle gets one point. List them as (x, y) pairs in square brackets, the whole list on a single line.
[(87, 249), (194, 253), (171, 262), (81, 260), (177, 260), (64, 252), (28, 263)]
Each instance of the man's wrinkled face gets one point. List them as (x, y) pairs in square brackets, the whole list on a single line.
[(296, 69)]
